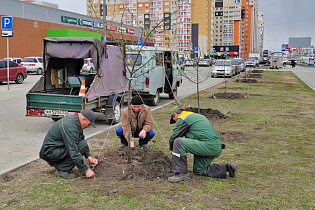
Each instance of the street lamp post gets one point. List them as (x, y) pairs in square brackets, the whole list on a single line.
[(104, 19)]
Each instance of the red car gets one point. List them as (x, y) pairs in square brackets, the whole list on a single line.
[(17, 72)]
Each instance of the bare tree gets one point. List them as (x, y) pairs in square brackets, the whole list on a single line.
[(194, 77)]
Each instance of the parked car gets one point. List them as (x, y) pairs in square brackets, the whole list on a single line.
[(210, 60), (33, 64), (16, 60), (223, 68), (189, 63), (88, 66), (237, 67), (241, 63), (203, 62), (265, 61), (17, 72), (250, 63)]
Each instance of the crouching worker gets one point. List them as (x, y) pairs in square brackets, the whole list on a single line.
[(64, 145), (140, 123), (194, 133)]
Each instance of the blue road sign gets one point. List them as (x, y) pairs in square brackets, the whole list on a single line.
[(139, 42), (225, 53), (196, 49), (6, 22), (213, 51)]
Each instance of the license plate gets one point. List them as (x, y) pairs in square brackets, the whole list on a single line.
[(56, 112)]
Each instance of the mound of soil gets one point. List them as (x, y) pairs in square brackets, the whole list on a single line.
[(146, 164), (211, 114), (227, 95), (257, 71), (253, 76), (247, 80)]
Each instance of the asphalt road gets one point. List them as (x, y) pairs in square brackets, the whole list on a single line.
[(306, 74), (21, 137)]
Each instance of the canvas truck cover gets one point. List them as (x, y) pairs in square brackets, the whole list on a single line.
[(107, 59)]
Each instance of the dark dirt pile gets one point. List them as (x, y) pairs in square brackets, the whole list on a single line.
[(227, 95), (257, 71), (253, 76), (146, 164), (247, 80), (211, 114)]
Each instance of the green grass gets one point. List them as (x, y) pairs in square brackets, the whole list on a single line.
[(275, 157)]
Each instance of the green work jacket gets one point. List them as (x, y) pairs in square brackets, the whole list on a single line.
[(194, 126), (63, 138)]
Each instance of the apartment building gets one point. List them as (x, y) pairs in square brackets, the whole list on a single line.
[(236, 24), (188, 25), (261, 30), (250, 42)]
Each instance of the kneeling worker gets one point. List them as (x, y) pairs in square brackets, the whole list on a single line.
[(140, 123), (194, 133), (64, 145)]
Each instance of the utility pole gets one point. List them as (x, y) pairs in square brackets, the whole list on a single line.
[(104, 18)]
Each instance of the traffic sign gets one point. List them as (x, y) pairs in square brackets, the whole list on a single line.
[(213, 51), (139, 42), (225, 53), (196, 49), (7, 23)]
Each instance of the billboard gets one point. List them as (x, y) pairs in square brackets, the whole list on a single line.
[(300, 42)]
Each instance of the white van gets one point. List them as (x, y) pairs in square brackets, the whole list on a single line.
[(153, 71)]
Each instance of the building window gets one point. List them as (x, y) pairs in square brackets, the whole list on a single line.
[(95, 1)]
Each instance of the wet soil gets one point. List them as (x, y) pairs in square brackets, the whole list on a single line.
[(253, 76), (145, 164), (247, 80), (227, 95), (210, 114), (257, 71)]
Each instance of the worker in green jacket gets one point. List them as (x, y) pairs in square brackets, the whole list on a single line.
[(64, 145), (194, 133)]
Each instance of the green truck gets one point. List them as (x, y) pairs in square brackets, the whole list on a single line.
[(64, 89)]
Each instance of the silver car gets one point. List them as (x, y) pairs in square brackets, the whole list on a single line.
[(203, 62), (241, 63), (88, 66), (33, 64), (223, 68)]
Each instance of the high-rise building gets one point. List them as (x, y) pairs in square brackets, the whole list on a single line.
[(188, 25), (250, 42), (261, 29)]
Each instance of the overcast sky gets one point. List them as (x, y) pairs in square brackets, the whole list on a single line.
[(283, 19)]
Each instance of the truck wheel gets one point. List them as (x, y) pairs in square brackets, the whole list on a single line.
[(171, 95), (19, 79), (116, 114), (55, 118), (155, 100), (39, 71)]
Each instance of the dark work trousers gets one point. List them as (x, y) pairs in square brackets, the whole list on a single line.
[(148, 137), (61, 160), (203, 156)]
